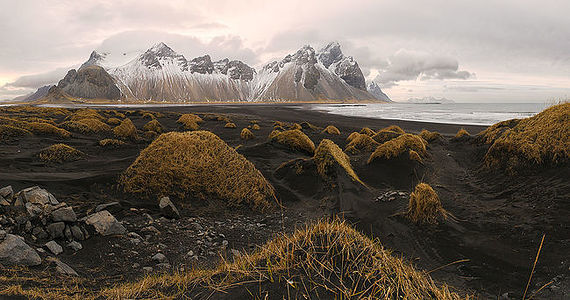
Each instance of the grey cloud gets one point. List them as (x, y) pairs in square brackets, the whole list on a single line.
[(41, 79), (413, 65)]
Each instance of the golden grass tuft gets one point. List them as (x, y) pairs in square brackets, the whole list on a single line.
[(153, 125), (246, 134), (430, 136), (296, 126), (424, 206), (295, 139), (114, 121), (126, 130), (398, 146), (85, 113), (393, 128), (10, 132), (190, 121), (230, 125), (331, 130), (461, 133), (325, 260), (327, 155), (413, 155), (383, 136), (60, 153), (47, 129), (543, 139), (86, 126), (367, 131), (255, 126), (307, 125), (361, 143), (352, 136), (197, 164), (274, 132), (110, 143)]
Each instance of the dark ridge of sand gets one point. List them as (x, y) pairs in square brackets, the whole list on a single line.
[(499, 219)]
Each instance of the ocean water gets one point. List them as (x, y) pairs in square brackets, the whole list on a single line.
[(453, 113)]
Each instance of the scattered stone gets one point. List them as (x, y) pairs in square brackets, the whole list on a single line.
[(67, 233), (151, 229), (147, 269), (163, 266), (4, 202), (76, 246), (7, 193), (136, 265), (2, 235), (54, 247), (35, 195), (65, 214), (62, 267), (168, 209), (224, 243), (105, 223), (112, 207), (76, 233), (40, 233), (33, 209), (161, 258), (28, 227), (190, 253), (55, 230), (15, 252)]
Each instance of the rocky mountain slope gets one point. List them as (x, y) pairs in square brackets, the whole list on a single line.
[(161, 74), (375, 90)]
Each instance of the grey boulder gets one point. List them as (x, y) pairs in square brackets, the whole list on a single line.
[(105, 224), (65, 214), (15, 252), (168, 209)]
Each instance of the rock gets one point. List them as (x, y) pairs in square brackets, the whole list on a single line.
[(168, 209), (7, 192), (39, 233), (90, 82), (76, 233), (190, 253), (112, 207), (33, 209), (67, 233), (147, 269), (4, 202), (2, 235), (224, 243), (63, 268), (54, 247), (34, 195), (64, 214), (28, 227), (15, 252), (55, 230), (159, 257), (76, 246), (163, 266), (151, 229), (136, 266), (105, 223)]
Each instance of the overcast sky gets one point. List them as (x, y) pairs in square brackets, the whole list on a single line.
[(489, 51)]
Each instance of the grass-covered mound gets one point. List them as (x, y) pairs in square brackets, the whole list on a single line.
[(361, 143), (113, 121), (86, 126), (111, 143), (413, 155), (367, 131), (326, 260), (424, 206), (393, 128), (126, 130), (86, 113), (230, 125), (327, 155), (8, 132), (462, 135), (383, 136), (398, 146), (295, 139), (246, 134), (543, 139), (308, 126), (352, 136), (331, 130), (430, 136), (197, 164), (47, 129), (190, 121), (153, 125), (255, 126), (60, 153)]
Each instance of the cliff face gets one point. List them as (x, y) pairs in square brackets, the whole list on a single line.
[(90, 82)]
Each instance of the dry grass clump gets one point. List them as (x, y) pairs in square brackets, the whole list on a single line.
[(246, 134), (15, 122), (361, 143), (425, 206), (295, 139), (331, 130), (60, 153), (325, 260), (383, 136), (352, 136), (43, 112), (114, 121), (94, 125), (413, 155), (279, 123), (307, 125), (296, 126), (37, 119), (10, 132), (393, 128), (255, 126), (85, 113), (153, 125), (47, 129), (110, 143), (197, 165), (543, 139), (274, 132), (398, 146), (230, 125), (462, 133), (327, 155), (190, 121), (367, 131), (126, 130), (430, 136)]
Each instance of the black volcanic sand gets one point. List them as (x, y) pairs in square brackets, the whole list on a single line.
[(498, 219)]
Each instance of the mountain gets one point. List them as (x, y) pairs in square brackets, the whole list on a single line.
[(375, 90), (161, 74), (40, 93), (430, 100)]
